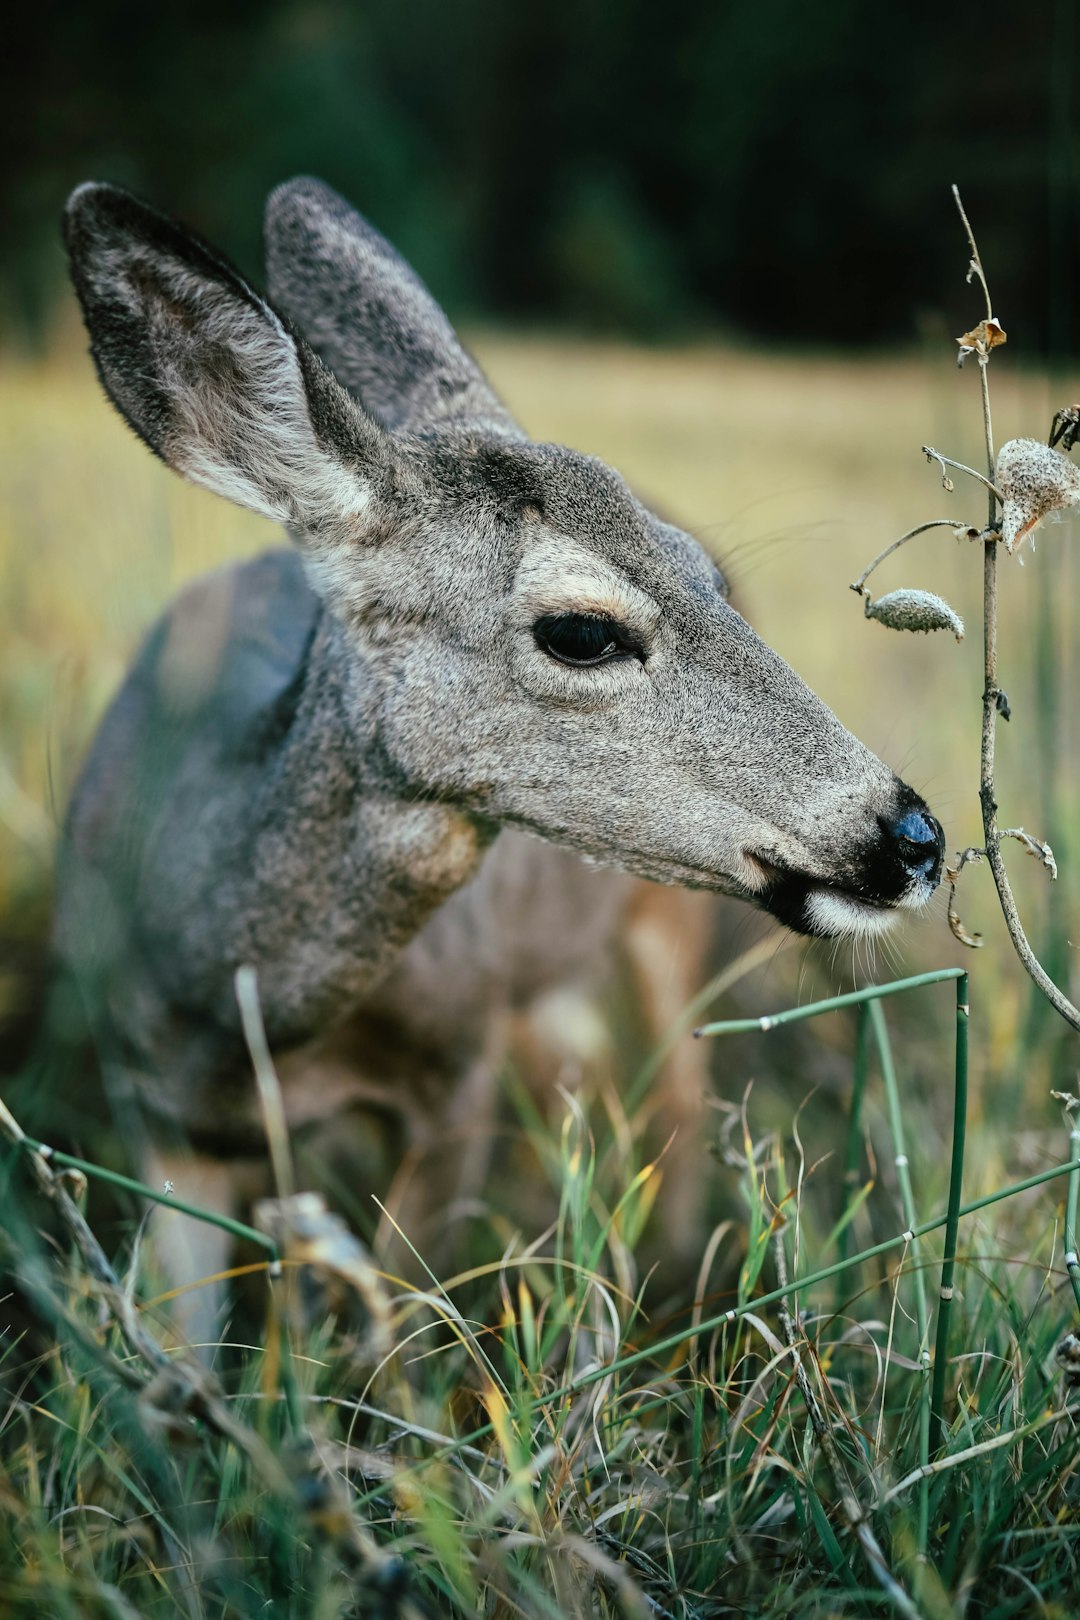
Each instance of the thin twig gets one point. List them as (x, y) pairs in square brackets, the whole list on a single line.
[(921, 528), (976, 268), (1036, 847), (974, 942), (269, 1086), (961, 466)]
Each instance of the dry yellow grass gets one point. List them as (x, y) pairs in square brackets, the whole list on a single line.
[(794, 470)]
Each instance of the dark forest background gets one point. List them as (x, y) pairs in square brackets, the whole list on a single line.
[(773, 167)]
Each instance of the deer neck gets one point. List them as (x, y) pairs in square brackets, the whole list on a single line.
[(357, 860)]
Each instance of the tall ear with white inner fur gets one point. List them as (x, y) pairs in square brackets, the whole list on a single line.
[(211, 377)]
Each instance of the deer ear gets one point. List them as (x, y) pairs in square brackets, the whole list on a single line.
[(211, 377), (366, 312)]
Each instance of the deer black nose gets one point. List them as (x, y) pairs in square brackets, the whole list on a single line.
[(920, 843)]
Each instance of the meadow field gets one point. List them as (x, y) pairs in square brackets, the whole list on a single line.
[(500, 1458)]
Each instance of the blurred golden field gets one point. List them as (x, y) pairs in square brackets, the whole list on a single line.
[(794, 470)]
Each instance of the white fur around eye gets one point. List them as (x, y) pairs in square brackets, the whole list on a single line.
[(557, 575)]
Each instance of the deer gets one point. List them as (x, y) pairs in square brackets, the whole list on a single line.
[(414, 767)]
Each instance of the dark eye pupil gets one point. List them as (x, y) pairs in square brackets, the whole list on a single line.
[(581, 638)]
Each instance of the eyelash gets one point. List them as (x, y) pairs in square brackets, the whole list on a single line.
[(585, 640)]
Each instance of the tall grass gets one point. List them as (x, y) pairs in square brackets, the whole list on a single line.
[(532, 1443)]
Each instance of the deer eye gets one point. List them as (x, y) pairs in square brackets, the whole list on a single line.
[(584, 638)]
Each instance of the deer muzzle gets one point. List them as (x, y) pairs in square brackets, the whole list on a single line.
[(897, 868)]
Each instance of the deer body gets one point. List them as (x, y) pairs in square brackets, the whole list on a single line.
[(352, 900), (323, 762)]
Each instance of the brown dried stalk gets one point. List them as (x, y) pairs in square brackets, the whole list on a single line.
[(991, 690)]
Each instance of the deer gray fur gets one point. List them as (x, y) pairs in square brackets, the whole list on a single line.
[(323, 761)]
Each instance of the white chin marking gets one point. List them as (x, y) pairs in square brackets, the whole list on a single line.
[(919, 894), (836, 914)]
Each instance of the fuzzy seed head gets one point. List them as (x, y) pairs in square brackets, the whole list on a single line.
[(1034, 481), (915, 610)]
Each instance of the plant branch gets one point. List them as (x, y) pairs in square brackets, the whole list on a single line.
[(961, 466), (991, 691), (921, 528), (976, 268)]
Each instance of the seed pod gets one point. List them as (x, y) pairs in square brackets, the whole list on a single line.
[(915, 610), (1034, 481)]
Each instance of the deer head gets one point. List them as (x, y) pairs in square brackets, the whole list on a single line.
[(527, 641)]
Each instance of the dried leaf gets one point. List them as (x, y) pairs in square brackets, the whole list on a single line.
[(960, 933), (915, 610), (952, 876), (1034, 846), (989, 334), (1034, 481)]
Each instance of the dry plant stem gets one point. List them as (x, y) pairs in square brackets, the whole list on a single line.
[(849, 1502), (934, 523), (138, 1339), (957, 1459), (974, 942), (988, 802), (991, 690), (269, 1087), (961, 466), (976, 261), (31, 1275)]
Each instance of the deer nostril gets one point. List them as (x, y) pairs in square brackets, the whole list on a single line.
[(920, 842)]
